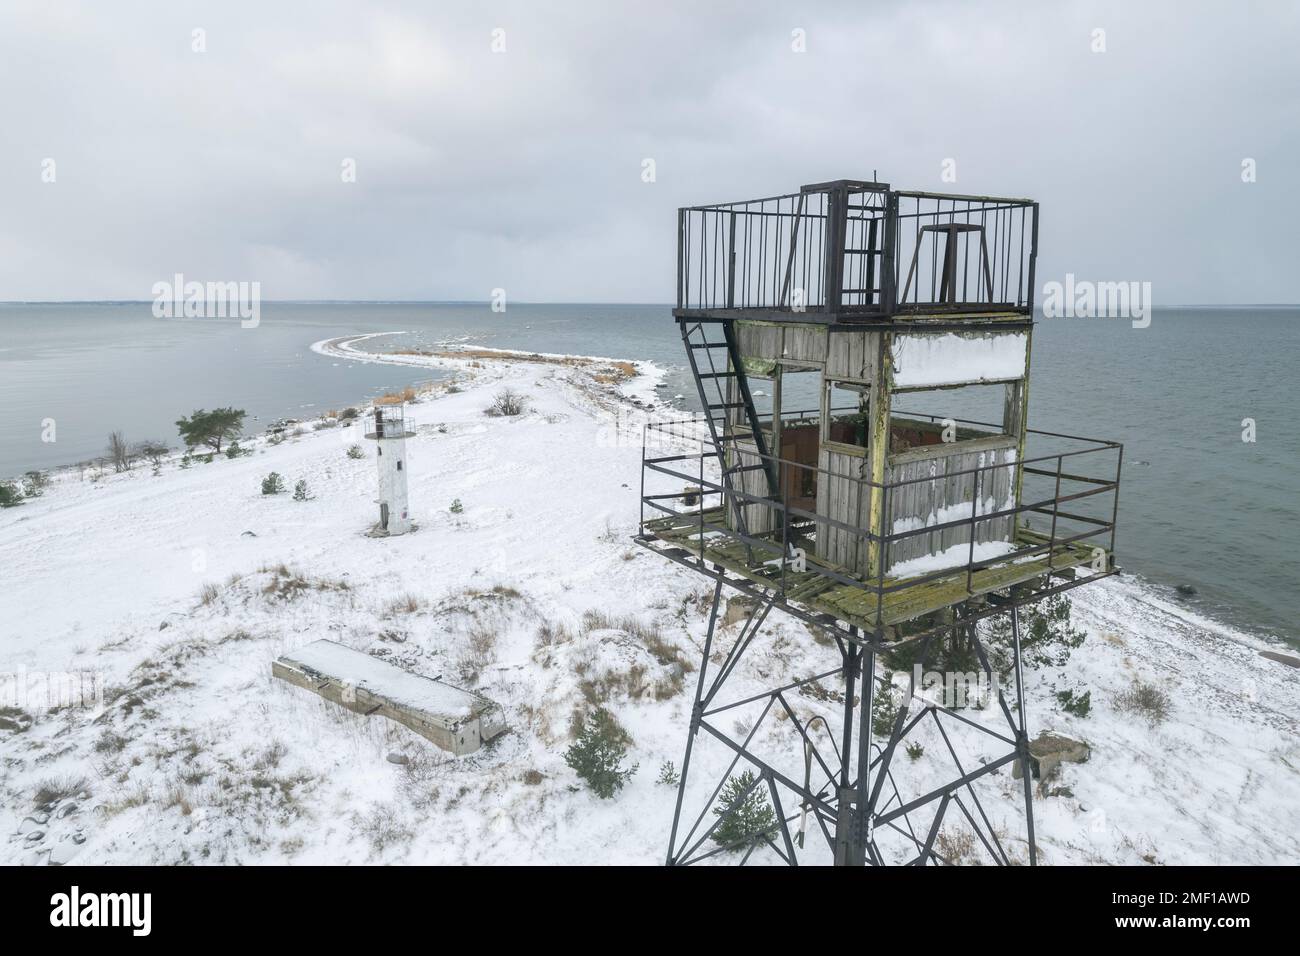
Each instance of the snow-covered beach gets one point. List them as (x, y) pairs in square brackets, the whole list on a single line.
[(177, 590)]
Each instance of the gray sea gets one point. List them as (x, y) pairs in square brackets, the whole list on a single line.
[(1199, 506)]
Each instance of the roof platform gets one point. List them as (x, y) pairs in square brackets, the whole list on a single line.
[(853, 251)]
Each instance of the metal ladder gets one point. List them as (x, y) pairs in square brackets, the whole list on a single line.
[(705, 354)]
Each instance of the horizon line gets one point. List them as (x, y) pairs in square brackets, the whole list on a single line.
[(488, 303)]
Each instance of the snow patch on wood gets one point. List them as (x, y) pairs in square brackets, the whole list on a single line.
[(950, 359)]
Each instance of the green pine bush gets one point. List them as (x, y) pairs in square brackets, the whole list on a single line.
[(597, 755), (752, 821)]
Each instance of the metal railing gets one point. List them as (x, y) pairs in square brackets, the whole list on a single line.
[(710, 500), (388, 421), (859, 249)]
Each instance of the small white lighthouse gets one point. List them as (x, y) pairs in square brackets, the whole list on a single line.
[(389, 427)]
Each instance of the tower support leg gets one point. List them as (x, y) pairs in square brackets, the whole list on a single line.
[(1022, 738), (855, 801), (697, 708)]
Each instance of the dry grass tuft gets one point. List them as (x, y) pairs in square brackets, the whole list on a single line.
[(479, 652), (407, 603), (398, 397), (1146, 701), (54, 789)]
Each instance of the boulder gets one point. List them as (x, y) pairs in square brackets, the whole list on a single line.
[(1048, 751), (738, 608)]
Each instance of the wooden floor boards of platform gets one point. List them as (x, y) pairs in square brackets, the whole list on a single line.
[(854, 604)]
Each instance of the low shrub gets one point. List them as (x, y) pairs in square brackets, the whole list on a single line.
[(1080, 705), (506, 403), (1146, 701), (34, 484)]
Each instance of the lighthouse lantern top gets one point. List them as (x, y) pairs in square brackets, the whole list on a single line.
[(389, 421)]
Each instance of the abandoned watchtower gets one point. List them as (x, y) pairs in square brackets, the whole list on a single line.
[(863, 463)]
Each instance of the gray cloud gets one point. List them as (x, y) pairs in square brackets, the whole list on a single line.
[(522, 169)]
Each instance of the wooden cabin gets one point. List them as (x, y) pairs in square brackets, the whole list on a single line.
[(854, 432)]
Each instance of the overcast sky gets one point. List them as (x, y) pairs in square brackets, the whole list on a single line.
[(523, 169)]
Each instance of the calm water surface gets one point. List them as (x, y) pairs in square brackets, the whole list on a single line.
[(1199, 506)]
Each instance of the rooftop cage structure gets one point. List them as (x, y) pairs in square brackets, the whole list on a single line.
[(849, 249), (862, 460), (388, 421)]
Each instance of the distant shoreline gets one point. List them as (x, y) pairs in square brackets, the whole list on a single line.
[(453, 360)]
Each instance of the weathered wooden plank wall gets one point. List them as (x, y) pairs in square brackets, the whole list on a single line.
[(759, 518), (949, 496), (839, 496)]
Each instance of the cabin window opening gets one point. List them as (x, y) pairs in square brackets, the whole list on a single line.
[(798, 413), (848, 420), (941, 416)]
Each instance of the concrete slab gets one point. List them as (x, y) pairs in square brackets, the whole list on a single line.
[(456, 720)]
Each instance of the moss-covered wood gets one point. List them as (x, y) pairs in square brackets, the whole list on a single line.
[(854, 604)]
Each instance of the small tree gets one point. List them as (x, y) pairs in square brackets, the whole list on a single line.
[(120, 452), (668, 775), (1047, 636), (597, 755), (456, 507), (234, 451), (506, 402), (751, 820), (10, 496), (153, 450), (884, 707), (34, 484), (211, 428), (272, 484), (355, 451), (300, 492)]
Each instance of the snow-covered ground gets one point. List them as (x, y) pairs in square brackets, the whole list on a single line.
[(173, 593)]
